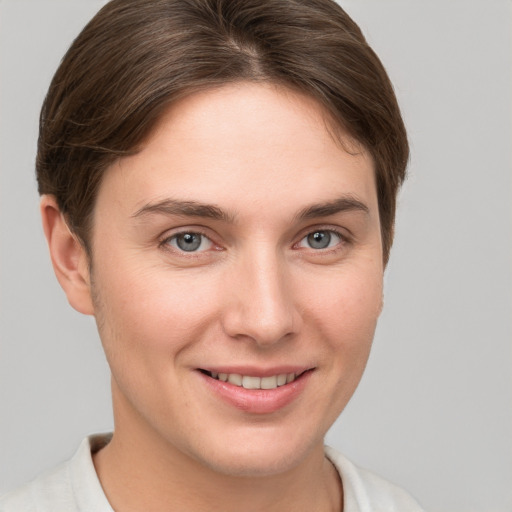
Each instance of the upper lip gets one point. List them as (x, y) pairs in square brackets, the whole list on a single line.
[(255, 371)]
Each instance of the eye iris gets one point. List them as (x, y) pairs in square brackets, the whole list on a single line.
[(319, 239), (188, 241)]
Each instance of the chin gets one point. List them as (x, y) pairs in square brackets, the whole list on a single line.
[(252, 465), (260, 455)]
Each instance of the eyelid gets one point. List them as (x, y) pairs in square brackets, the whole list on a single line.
[(164, 238), (344, 237), (343, 233)]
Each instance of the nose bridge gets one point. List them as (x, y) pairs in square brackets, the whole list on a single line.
[(262, 305)]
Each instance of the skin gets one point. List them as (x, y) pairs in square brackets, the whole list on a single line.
[(255, 294)]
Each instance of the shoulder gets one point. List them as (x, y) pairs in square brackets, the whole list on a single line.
[(365, 491), (70, 487), (50, 491)]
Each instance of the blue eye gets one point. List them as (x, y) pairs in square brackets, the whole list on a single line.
[(190, 242), (321, 239)]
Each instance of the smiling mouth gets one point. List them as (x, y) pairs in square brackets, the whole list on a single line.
[(251, 382)]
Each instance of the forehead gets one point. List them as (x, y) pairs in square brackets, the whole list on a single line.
[(257, 111), (242, 144)]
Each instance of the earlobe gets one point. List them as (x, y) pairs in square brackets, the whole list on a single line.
[(69, 258)]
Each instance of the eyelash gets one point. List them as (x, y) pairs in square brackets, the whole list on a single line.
[(343, 239), (165, 242)]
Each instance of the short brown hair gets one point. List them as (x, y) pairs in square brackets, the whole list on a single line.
[(135, 57)]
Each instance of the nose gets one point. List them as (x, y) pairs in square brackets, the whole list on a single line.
[(260, 301)]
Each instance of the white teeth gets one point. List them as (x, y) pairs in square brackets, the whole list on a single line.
[(269, 382), (235, 379), (281, 379), (249, 382)]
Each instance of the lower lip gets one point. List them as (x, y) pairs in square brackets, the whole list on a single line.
[(258, 401)]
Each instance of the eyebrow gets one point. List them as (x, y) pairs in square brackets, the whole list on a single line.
[(210, 211), (184, 208), (342, 204)]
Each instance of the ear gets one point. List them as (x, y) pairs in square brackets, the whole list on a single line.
[(69, 258)]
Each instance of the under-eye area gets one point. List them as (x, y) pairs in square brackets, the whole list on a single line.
[(252, 382)]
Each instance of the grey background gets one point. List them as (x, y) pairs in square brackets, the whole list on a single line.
[(433, 411)]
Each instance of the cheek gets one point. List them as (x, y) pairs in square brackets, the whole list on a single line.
[(345, 312), (151, 310), (350, 302)]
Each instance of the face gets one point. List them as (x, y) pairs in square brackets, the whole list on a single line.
[(237, 279)]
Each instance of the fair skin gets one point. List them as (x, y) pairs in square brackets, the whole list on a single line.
[(241, 240)]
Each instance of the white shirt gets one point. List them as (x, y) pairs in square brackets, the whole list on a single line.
[(74, 487)]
